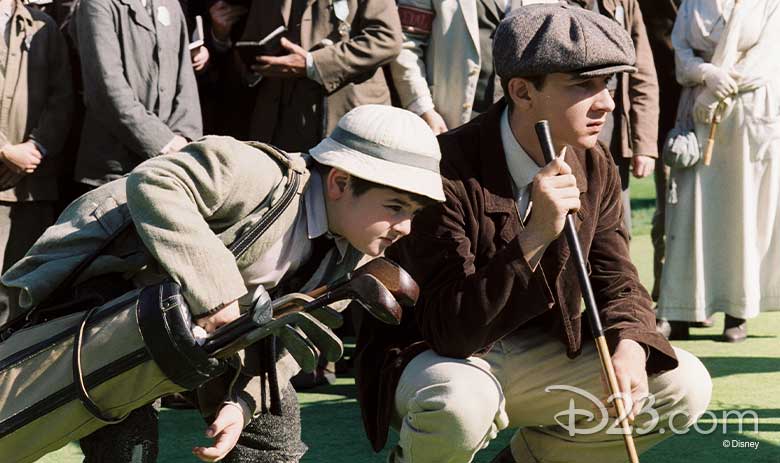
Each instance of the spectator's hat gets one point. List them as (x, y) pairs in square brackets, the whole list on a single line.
[(540, 39), (385, 145)]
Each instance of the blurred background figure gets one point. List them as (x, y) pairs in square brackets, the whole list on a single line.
[(140, 92), (444, 72), (35, 114), (659, 16), (327, 62), (225, 99), (631, 130), (722, 220)]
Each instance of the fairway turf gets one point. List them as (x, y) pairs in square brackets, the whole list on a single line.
[(746, 376)]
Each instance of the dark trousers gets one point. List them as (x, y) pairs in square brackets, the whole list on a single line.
[(624, 170), (657, 232), (21, 223), (266, 439), (134, 440)]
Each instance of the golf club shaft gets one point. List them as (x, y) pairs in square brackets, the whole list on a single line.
[(243, 324), (229, 333), (545, 140)]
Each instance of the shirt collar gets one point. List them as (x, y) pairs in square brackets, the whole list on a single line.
[(317, 214), (522, 168)]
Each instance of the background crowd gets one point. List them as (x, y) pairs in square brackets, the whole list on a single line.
[(90, 89)]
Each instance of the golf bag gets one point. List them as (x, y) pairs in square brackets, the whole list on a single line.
[(64, 379)]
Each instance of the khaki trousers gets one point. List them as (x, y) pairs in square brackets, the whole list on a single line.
[(448, 409)]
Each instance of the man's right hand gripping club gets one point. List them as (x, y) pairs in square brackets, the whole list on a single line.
[(554, 194)]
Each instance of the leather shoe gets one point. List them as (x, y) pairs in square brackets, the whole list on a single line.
[(708, 323), (673, 330), (680, 331), (735, 329)]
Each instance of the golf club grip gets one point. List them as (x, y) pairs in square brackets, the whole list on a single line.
[(548, 150)]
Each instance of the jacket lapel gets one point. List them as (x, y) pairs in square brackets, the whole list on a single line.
[(139, 15), (496, 182), (492, 8), (469, 9)]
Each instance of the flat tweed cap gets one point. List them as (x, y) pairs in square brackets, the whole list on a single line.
[(540, 39)]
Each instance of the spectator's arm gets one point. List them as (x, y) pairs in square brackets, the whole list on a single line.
[(106, 91), (689, 68), (643, 91), (375, 41), (52, 128), (408, 69)]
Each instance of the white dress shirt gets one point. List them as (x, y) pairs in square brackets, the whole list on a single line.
[(294, 248), (522, 168)]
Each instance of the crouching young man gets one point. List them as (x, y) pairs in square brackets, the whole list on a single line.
[(358, 191), (497, 337)]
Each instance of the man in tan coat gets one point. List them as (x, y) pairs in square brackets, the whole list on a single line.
[(329, 63), (35, 110)]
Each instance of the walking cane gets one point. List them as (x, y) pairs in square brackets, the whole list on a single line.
[(545, 140), (711, 138)]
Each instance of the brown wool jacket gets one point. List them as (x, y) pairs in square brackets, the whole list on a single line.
[(476, 286)]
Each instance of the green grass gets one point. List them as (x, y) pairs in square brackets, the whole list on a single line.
[(746, 376)]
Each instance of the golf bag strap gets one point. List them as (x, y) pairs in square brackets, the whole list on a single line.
[(78, 375), (246, 240)]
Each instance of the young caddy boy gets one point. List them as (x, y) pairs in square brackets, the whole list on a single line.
[(499, 318), (359, 189)]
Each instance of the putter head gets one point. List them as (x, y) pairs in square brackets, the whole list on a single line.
[(397, 280), (376, 298)]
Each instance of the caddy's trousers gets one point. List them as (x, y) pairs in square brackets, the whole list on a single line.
[(448, 409)]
